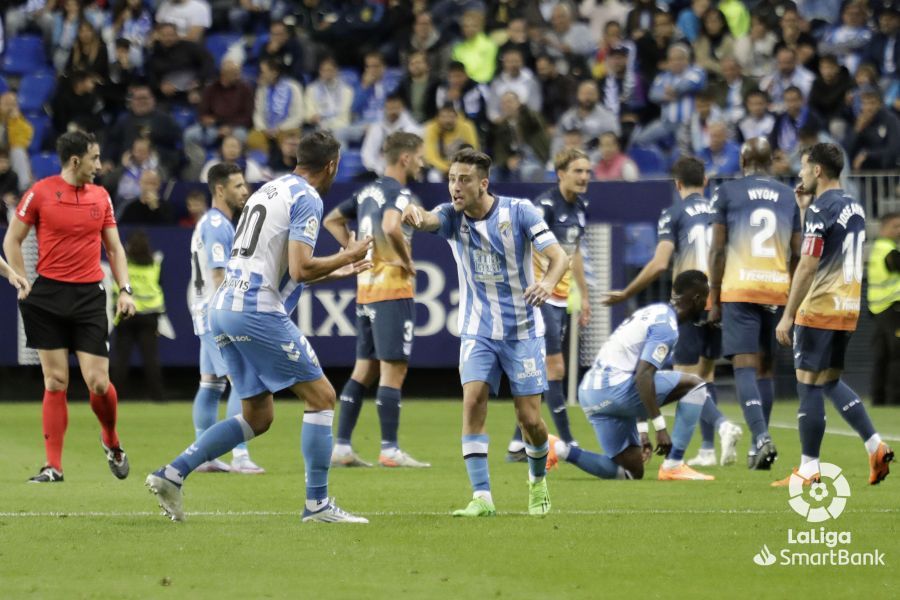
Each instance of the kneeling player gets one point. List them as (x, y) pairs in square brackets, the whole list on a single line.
[(625, 385)]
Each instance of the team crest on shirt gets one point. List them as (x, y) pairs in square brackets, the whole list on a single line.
[(505, 228), (95, 212), (312, 227)]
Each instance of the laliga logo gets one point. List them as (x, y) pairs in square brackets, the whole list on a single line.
[(835, 493)]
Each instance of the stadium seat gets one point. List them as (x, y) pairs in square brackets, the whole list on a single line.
[(218, 43), (648, 160), (40, 123), (350, 166), (640, 243), (250, 73), (258, 156), (392, 77), (184, 116), (44, 164), (3, 85), (350, 77), (24, 54), (34, 90)]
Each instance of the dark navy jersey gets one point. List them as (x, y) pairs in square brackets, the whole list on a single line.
[(687, 225)]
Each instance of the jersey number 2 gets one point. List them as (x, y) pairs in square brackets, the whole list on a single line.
[(759, 243), (247, 235)]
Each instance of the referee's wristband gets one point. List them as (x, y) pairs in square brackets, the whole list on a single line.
[(659, 423), (643, 427)]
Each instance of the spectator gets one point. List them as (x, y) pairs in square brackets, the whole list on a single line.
[(796, 115), (132, 21), (788, 74), (76, 103), (652, 50), (515, 77), (599, 13), (866, 76), (722, 158), (150, 208), (16, 134), (690, 20), (517, 39), (795, 37), (737, 16), (733, 88), (714, 42), (284, 46), (125, 180), (250, 16), (476, 50), (368, 99), (395, 118), (34, 15), (178, 68), (824, 11), (829, 93), (232, 151), (418, 88), (621, 89), (143, 119), (571, 139), (89, 53), (65, 32), (808, 136), (278, 107), (874, 141), (284, 159), (466, 95), (612, 38), (642, 19), (759, 122), (520, 144), (122, 75), (9, 187), (226, 108), (196, 206), (569, 42), (884, 51), (588, 115), (557, 91), (444, 136), (849, 40), (500, 13), (771, 11), (328, 99), (693, 134), (425, 38), (191, 18), (614, 165), (756, 52)]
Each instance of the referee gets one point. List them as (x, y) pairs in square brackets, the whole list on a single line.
[(66, 308)]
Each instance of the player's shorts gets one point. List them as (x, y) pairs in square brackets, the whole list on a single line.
[(749, 328), (58, 315), (696, 341), (211, 361), (385, 330), (484, 359), (819, 349), (263, 351), (614, 410), (556, 321)]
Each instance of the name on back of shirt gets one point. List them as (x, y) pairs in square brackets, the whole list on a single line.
[(763, 194), (697, 209), (851, 210)]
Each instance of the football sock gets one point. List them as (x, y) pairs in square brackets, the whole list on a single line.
[(105, 407), (55, 414), (215, 441), (851, 409), (387, 400), (234, 408), (537, 461), (687, 414), (351, 405), (710, 418), (766, 387), (556, 402), (809, 465), (748, 396), (517, 443), (474, 450), (811, 419), (206, 405), (315, 442), (599, 465)]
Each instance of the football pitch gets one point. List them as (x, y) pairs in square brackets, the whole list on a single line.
[(96, 537)]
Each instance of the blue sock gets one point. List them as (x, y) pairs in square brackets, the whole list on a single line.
[(387, 400), (537, 460), (811, 418), (474, 449), (599, 465), (556, 402), (749, 397), (686, 417), (315, 443), (351, 405), (206, 405), (850, 408), (517, 435), (215, 441), (710, 418), (233, 408), (766, 388)]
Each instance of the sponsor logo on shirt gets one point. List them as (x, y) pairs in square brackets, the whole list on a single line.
[(487, 266)]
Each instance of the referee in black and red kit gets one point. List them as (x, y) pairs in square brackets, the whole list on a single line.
[(66, 308)]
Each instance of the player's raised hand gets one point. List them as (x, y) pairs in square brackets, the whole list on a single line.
[(804, 198), (613, 297), (357, 249), (412, 216), (537, 293), (663, 442), (783, 331), (20, 283)]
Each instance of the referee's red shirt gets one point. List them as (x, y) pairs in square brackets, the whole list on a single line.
[(68, 221)]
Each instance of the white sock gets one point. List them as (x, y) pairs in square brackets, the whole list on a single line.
[(562, 449), (621, 473), (872, 443), (809, 466), (515, 446), (724, 426), (533, 479), (390, 452), (671, 464), (342, 449), (314, 505), (484, 495), (240, 453)]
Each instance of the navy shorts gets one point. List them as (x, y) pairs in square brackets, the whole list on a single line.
[(556, 321), (749, 328), (696, 340), (819, 349), (385, 330)]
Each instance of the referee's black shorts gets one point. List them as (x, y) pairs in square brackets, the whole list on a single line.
[(57, 315)]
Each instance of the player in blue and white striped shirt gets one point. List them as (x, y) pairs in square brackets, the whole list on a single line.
[(272, 258), (500, 323)]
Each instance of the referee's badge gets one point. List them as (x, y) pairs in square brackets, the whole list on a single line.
[(95, 212)]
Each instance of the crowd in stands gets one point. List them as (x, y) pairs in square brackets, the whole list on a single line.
[(172, 86)]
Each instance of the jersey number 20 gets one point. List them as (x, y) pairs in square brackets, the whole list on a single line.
[(247, 235)]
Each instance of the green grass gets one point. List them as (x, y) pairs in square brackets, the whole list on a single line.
[(94, 536)]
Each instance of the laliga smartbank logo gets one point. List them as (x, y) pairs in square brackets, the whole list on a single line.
[(821, 501)]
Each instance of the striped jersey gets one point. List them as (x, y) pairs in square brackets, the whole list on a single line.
[(210, 249), (835, 231), (687, 225), (761, 215), (686, 85), (386, 280), (493, 262), (566, 220), (257, 278)]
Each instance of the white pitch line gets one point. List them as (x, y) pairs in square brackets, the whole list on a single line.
[(843, 432)]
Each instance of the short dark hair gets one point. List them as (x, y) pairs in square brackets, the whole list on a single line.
[(761, 93), (274, 63), (123, 43), (828, 156), (220, 173), (689, 171), (395, 97), (794, 89), (829, 58), (399, 142), (316, 150), (689, 280), (470, 156), (74, 143), (456, 66)]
